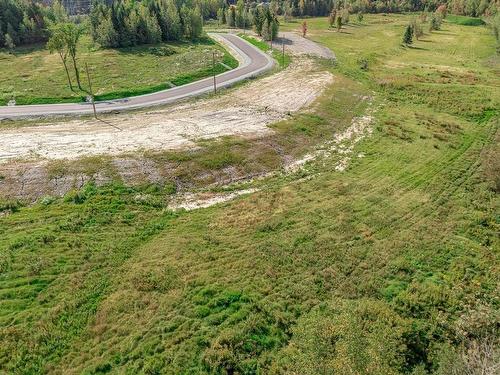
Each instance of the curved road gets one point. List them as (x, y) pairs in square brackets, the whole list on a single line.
[(252, 62)]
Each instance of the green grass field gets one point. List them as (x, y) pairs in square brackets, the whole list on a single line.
[(390, 267), (32, 75)]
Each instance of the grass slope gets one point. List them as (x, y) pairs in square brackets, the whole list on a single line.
[(33, 76), (277, 53), (389, 267)]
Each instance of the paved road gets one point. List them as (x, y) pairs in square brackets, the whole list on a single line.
[(252, 62)]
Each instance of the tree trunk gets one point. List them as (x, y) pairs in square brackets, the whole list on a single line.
[(77, 74), (67, 71)]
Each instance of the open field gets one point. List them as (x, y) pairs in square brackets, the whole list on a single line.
[(386, 266), (32, 75)]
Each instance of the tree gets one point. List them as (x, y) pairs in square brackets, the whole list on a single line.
[(147, 27), (72, 34), (270, 26), (231, 16), (442, 10), (9, 42), (221, 16), (240, 14), (288, 10), (417, 28), (173, 21), (332, 17), (495, 27), (339, 23), (57, 43), (408, 35), (192, 22), (58, 12), (302, 7), (274, 7), (435, 22), (345, 16), (258, 19)]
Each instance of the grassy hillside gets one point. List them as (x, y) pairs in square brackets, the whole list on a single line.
[(32, 75), (388, 267)]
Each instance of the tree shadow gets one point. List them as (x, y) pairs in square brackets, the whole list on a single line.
[(418, 48), (108, 123), (443, 32), (24, 50)]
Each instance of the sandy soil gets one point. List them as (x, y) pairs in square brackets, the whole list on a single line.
[(341, 148), (246, 111)]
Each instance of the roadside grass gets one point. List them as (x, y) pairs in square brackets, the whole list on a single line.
[(33, 76), (388, 267), (277, 53)]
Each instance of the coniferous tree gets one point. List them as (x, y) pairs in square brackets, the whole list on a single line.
[(408, 35)]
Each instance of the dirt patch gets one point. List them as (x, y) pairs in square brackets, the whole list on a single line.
[(246, 111), (341, 146), (193, 201), (299, 45)]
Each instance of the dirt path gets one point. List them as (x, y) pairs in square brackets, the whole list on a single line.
[(246, 111)]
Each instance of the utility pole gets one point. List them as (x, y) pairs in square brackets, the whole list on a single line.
[(90, 88), (213, 68)]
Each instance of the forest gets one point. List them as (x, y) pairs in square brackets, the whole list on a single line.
[(127, 23)]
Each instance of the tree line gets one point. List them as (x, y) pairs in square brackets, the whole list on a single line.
[(123, 23), (24, 22), (298, 8), (262, 16), (127, 22)]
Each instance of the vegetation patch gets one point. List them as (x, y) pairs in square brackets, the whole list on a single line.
[(388, 267), (464, 20)]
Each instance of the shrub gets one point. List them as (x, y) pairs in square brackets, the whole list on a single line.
[(363, 64), (363, 337), (162, 51)]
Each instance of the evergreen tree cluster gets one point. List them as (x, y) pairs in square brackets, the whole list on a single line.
[(23, 22), (313, 8), (262, 16), (474, 8), (127, 22)]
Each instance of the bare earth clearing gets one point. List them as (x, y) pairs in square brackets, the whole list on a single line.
[(247, 111), (27, 151)]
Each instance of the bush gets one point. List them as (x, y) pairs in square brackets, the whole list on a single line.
[(162, 51), (362, 337), (363, 64)]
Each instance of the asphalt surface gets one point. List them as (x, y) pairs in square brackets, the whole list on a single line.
[(252, 62)]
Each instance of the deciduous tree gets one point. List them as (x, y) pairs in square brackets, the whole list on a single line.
[(57, 43)]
